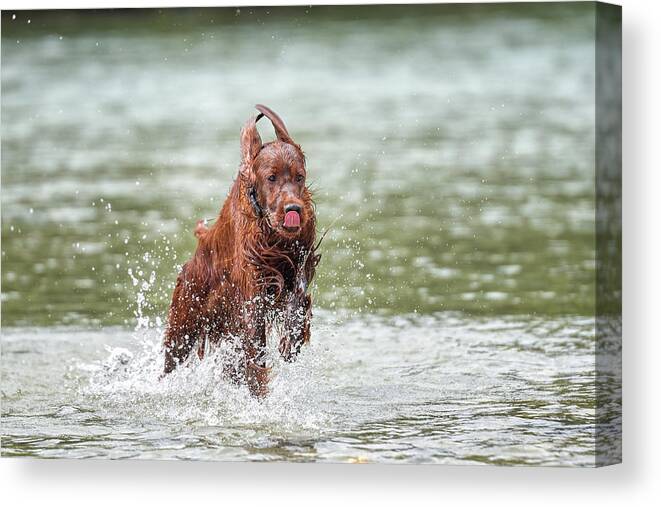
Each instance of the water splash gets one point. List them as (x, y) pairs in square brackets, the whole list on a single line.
[(200, 394)]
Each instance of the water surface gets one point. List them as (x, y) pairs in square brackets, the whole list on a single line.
[(433, 389)]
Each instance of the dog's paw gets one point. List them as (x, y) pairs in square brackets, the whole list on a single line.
[(257, 379)]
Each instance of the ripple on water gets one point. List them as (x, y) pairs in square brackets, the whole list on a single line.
[(410, 388)]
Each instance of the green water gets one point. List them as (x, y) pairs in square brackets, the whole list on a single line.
[(452, 148), (456, 145)]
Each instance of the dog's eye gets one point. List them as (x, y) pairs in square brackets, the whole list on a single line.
[(272, 177), (299, 177)]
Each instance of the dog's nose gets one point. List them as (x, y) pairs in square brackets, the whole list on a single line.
[(292, 207)]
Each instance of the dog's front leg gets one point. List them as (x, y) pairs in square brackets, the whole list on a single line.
[(256, 371), (298, 314)]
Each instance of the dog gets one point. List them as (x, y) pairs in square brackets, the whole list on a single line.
[(252, 268)]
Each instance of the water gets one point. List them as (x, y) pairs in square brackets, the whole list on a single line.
[(456, 146), (442, 389)]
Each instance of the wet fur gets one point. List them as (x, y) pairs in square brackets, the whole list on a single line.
[(248, 274)]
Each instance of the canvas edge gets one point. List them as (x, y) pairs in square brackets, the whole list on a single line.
[(608, 234)]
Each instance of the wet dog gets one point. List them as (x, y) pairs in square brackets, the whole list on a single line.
[(252, 269)]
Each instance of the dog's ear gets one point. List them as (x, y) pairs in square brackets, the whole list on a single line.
[(278, 125), (251, 143)]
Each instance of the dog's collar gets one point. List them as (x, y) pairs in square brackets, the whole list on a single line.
[(252, 196)]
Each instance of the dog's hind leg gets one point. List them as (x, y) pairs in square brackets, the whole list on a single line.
[(183, 324), (177, 350)]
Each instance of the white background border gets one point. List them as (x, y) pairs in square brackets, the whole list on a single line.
[(636, 482)]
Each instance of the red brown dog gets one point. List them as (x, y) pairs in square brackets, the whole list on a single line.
[(252, 268)]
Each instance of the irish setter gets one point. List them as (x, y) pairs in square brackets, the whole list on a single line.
[(252, 269)]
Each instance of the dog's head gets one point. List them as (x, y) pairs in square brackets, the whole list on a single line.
[(274, 175)]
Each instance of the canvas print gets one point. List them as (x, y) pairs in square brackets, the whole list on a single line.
[(348, 234)]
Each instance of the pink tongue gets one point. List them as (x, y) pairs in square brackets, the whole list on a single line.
[(292, 219)]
